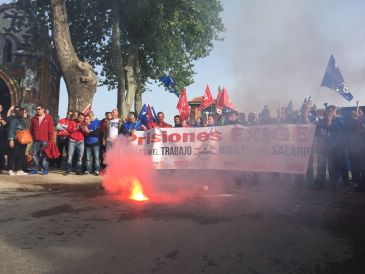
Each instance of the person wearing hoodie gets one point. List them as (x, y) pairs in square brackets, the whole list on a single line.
[(92, 143), (17, 150), (42, 130)]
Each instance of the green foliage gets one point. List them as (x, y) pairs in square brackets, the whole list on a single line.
[(169, 35)]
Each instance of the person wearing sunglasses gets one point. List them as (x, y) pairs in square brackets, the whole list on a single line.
[(42, 130)]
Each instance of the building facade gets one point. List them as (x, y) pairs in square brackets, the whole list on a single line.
[(27, 77)]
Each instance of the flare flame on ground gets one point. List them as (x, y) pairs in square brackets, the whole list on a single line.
[(137, 192)]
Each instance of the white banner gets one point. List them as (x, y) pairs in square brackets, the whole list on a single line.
[(266, 148)]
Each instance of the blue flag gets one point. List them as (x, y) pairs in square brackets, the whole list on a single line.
[(154, 116), (143, 116), (169, 83), (333, 79)]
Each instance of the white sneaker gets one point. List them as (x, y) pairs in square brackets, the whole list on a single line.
[(11, 173), (21, 172)]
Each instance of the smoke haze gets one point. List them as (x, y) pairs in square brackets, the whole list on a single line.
[(279, 50)]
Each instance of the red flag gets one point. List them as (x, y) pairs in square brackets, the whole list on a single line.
[(87, 109), (219, 101), (183, 106), (207, 100), (224, 100), (150, 123)]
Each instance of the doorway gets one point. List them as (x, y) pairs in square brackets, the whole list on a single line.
[(5, 99)]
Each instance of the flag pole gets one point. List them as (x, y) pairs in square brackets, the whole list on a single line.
[(357, 108), (319, 90)]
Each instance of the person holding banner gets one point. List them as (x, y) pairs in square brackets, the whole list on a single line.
[(160, 121), (210, 121), (177, 121)]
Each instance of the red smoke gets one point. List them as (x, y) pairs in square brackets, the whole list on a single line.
[(130, 175)]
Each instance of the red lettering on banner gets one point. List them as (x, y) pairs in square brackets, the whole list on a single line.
[(174, 140), (140, 140), (280, 134), (203, 136), (216, 136), (155, 138), (300, 133), (252, 135), (236, 134), (190, 135), (164, 136)]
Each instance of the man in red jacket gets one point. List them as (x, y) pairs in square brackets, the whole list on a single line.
[(76, 143), (160, 121), (42, 130)]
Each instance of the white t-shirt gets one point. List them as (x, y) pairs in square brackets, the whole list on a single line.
[(113, 128)]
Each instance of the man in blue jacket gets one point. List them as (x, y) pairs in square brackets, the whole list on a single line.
[(91, 128), (131, 125)]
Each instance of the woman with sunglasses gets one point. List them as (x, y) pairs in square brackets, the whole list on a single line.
[(17, 150)]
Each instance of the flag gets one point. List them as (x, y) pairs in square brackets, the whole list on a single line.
[(154, 116), (289, 107), (224, 100), (169, 83), (333, 79), (219, 95), (207, 99), (151, 120), (147, 116), (142, 116), (183, 106), (87, 109)]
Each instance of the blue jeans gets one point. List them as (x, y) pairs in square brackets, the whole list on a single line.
[(39, 155), (92, 153), (78, 148)]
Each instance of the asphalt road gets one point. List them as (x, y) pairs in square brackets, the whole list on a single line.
[(268, 227)]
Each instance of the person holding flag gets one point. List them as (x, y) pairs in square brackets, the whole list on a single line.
[(147, 118), (131, 125)]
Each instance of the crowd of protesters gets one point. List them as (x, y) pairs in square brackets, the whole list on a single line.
[(83, 139)]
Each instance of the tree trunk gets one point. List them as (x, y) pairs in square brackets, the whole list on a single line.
[(118, 59), (79, 76), (132, 79), (139, 90)]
